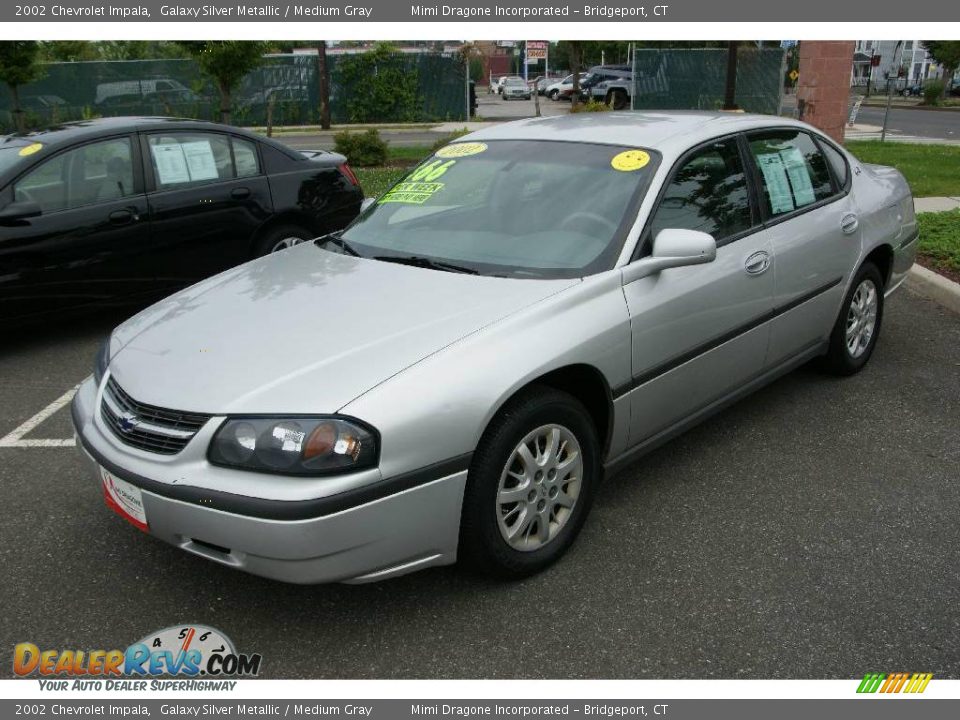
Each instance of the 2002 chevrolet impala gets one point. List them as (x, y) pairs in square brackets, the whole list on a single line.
[(532, 306)]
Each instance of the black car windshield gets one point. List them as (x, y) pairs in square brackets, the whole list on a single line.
[(542, 209)]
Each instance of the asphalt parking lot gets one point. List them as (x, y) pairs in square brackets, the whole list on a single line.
[(810, 531)]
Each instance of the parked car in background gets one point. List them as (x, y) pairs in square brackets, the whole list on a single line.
[(913, 89), (134, 208), (451, 376), (120, 92), (502, 81), (515, 88), (615, 88), (562, 89)]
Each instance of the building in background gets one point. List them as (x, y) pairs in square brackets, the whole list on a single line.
[(876, 60)]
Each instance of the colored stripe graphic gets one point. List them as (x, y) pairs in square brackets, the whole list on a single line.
[(913, 683)]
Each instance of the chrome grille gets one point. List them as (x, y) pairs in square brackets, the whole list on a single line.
[(147, 427)]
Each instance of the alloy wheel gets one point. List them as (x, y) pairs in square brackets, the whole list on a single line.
[(861, 318), (539, 487)]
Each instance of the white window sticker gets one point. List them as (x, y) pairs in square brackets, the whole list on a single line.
[(778, 186), (799, 176), (171, 164), (185, 162), (200, 161)]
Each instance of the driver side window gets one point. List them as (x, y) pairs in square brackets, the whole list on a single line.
[(708, 192)]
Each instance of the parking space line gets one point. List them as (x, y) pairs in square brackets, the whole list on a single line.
[(15, 438)]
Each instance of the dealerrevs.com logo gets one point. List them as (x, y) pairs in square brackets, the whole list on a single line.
[(909, 683), (182, 651)]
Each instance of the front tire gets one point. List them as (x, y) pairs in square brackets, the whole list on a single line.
[(857, 328), (530, 484)]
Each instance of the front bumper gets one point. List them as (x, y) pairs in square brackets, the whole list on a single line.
[(345, 537)]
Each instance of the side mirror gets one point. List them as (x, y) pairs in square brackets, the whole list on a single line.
[(21, 210), (673, 248), (367, 202)]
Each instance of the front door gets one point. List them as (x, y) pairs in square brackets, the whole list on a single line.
[(700, 332), (91, 242)]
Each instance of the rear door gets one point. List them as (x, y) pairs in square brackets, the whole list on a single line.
[(91, 242), (813, 228), (700, 332), (207, 197)]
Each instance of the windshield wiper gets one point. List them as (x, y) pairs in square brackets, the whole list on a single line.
[(424, 262), (335, 239)]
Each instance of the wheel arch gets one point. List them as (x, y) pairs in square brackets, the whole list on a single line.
[(882, 257), (288, 217), (584, 382)]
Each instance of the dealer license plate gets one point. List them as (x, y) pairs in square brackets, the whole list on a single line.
[(124, 499)]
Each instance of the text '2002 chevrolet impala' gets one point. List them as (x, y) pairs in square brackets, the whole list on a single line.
[(534, 305)]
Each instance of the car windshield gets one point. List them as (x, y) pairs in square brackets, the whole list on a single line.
[(542, 209), (515, 81)]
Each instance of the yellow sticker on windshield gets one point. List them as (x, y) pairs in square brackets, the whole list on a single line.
[(630, 160), (30, 149), (459, 150), (411, 193)]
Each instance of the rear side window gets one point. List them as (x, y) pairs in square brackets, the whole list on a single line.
[(837, 163), (793, 171), (245, 157), (707, 193)]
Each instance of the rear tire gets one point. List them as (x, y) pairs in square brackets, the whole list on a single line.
[(280, 238), (857, 328), (530, 484)]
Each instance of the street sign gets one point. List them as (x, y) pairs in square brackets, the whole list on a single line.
[(794, 75)]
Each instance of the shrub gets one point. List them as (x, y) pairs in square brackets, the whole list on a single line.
[(364, 149), (591, 105), (449, 138), (932, 92), (384, 86)]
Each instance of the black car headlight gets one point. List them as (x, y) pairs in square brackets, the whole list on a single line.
[(294, 445), (102, 361)]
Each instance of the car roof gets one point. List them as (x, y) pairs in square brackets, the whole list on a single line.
[(670, 132), (71, 132)]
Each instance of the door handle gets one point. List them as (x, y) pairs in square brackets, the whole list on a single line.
[(849, 224), (757, 263), (240, 193), (122, 217)]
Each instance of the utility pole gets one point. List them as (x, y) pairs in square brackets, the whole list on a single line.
[(891, 80)]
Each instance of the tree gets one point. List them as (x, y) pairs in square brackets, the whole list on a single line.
[(19, 65), (226, 62), (323, 75), (947, 54), (730, 90), (576, 60)]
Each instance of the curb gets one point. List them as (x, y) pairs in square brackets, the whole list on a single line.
[(934, 286)]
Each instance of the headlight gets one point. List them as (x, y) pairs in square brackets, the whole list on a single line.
[(294, 445), (102, 361)]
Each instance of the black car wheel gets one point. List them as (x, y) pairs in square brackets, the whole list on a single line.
[(857, 327), (280, 238), (530, 484), (553, 94)]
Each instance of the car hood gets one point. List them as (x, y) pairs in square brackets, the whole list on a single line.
[(303, 331)]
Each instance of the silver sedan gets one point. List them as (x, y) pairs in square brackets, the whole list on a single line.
[(531, 308)]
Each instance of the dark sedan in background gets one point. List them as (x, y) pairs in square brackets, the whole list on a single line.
[(135, 208)]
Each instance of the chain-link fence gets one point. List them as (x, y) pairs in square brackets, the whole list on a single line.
[(695, 79), (365, 87)]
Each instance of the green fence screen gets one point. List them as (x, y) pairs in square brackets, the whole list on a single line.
[(394, 87), (695, 79)]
